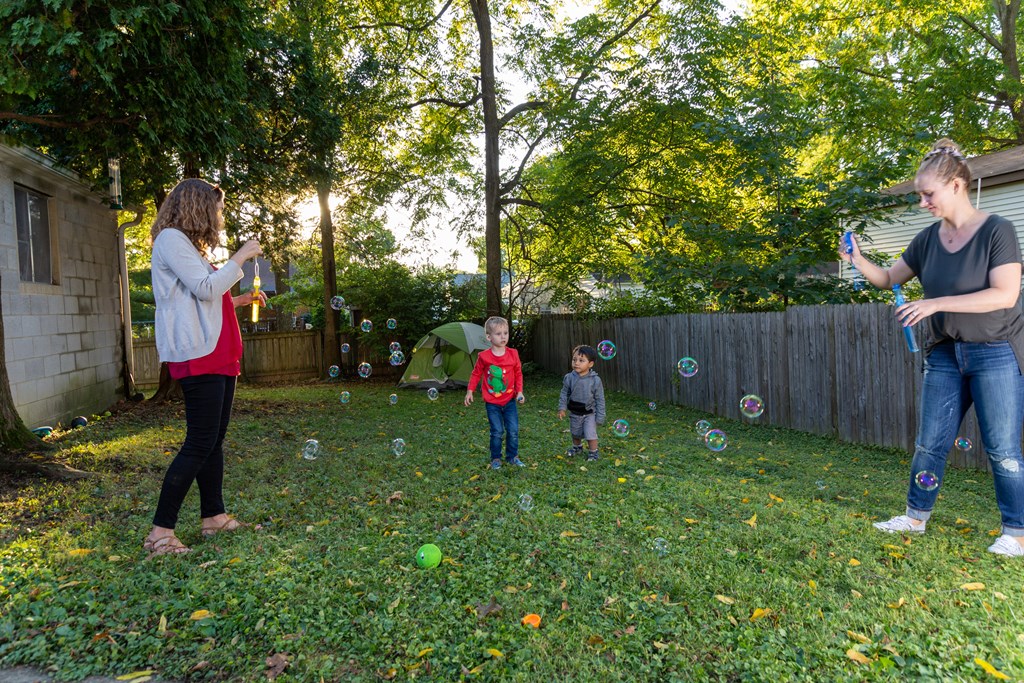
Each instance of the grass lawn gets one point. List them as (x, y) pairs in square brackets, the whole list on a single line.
[(769, 568)]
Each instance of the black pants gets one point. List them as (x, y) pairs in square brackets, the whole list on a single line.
[(201, 458)]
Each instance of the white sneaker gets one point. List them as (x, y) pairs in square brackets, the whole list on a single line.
[(1006, 545), (900, 524)]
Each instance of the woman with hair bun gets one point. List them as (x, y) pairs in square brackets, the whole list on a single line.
[(969, 265), (197, 334)]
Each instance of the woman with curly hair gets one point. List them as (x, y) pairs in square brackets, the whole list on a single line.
[(197, 335)]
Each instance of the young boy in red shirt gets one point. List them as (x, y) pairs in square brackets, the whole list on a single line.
[(501, 382)]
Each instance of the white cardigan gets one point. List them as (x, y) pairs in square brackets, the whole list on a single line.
[(188, 293)]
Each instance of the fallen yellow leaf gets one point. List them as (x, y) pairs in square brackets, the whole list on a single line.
[(162, 627), (494, 653), (79, 552), (976, 586), (494, 498), (689, 521), (752, 522), (568, 534), (857, 657), (726, 599), (201, 614), (476, 669), (776, 498), (660, 645), (813, 585), (896, 605), (732, 620), (759, 614), (135, 674), (474, 477), (425, 651), (622, 480), (856, 594), (859, 637), (854, 562), (991, 670)]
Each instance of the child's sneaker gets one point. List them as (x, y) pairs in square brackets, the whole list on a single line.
[(517, 462), (574, 451), (900, 524), (591, 456), (496, 464)]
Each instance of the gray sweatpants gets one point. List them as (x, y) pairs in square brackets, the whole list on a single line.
[(583, 426)]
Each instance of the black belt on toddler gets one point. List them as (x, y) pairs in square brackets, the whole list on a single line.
[(578, 408)]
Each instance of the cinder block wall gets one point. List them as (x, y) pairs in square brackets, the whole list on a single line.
[(61, 341)]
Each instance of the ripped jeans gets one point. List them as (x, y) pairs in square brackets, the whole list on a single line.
[(957, 374)]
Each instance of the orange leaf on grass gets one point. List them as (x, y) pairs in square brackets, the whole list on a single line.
[(857, 657)]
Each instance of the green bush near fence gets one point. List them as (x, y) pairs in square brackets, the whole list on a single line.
[(768, 568)]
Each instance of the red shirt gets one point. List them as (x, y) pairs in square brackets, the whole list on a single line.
[(225, 357), (500, 377)]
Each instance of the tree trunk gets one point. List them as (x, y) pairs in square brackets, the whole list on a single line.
[(332, 335), (492, 168)]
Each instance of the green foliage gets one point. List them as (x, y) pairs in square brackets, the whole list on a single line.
[(330, 577)]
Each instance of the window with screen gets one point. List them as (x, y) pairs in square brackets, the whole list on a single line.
[(32, 215)]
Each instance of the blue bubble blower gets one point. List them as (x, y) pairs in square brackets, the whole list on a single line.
[(908, 332), (848, 249)]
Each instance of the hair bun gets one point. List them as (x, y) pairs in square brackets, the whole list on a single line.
[(944, 144)]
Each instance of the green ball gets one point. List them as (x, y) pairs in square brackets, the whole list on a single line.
[(428, 556)]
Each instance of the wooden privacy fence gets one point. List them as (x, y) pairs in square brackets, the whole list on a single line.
[(274, 357), (842, 371)]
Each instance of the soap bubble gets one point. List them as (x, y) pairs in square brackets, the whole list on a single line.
[(620, 428), (432, 394), (398, 447), (334, 371), (526, 502), (364, 370), (926, 481), (311, 450), (687, 366), (963, 444), (652, 405), (345, 348), (391, 323), (396, 359), (702, 427), (606, 349), (393, 399), (394, 346), (345, 397), (337, 302), (820, 484), (660, 546), (751, 406), (366, 326), (716, 440)]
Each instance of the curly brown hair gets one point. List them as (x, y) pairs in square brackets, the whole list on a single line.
[(194, 207)]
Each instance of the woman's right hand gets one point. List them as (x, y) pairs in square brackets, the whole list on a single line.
[(248, 250), (845, 255)]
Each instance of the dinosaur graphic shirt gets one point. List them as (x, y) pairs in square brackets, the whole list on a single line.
[(500, 377)]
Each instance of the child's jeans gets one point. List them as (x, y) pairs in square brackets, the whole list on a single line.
[(504, 420)]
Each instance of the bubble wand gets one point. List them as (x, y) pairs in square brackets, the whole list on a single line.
[(907, 331), (256, 291), (848, 248)]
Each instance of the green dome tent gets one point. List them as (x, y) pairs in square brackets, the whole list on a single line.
[(444, 358)]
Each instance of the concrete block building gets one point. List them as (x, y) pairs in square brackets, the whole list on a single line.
[(59, 289)]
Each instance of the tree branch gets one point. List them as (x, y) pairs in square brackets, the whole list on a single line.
[(511, 184), (53, 121), (404, 27), (520, 202), (451, 103), (518, 109), (607, 44), (989, 38)]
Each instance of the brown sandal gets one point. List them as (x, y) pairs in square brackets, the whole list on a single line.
[(230, 524), (165, 545)]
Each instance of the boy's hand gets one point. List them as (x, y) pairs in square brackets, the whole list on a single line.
[(469, 398), (561, 414), (520, 398)]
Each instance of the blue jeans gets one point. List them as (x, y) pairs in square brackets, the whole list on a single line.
[(504, 421), (957, 374)]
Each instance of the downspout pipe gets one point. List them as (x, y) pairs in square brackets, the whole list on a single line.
[(127, 352)]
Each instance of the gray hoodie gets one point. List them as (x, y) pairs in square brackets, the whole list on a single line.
[(587, 390)]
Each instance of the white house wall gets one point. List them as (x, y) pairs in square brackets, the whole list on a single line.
[(62, 342), (895, 227)]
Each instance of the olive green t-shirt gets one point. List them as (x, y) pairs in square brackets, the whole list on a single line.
[(949, 274)]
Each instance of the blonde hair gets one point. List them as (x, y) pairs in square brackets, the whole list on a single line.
[(946, 161), (193, 207), (493, 323)]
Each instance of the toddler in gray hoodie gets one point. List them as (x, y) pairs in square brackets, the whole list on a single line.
[(583, 396)]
